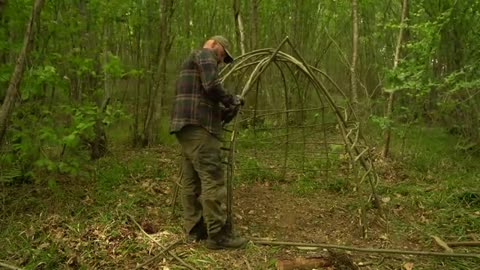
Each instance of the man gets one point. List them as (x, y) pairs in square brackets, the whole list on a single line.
[(200, 106)]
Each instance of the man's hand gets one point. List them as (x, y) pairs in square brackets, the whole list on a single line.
[(232, 100), (238, 100), (230, 111)]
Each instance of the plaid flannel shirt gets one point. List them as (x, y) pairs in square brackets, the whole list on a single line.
[(198, 94)]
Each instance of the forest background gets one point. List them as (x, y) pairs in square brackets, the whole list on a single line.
[(86, 88)]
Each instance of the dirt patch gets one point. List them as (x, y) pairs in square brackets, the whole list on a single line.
[(276, 212)]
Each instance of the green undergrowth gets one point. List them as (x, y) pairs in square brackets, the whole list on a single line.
[(427, 188), (433, 190), (82, 222), (441, 181)]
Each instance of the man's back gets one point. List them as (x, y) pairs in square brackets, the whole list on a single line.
[(193, 104)]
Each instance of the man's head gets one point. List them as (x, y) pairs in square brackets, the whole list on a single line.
[(221, 46)]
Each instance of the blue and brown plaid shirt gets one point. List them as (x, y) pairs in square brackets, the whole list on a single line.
[(198, 94)]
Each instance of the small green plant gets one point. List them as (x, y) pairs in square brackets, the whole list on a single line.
[(251, 170), (338, 185), (306, 184)]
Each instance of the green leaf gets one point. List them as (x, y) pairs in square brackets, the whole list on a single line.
[(71, 139)]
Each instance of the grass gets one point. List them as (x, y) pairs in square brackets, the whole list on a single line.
[(80, 222), (440, 192)]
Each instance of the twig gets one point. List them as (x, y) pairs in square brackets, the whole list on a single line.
[(248, 264), (8, 266), (369, 250), (159, 254), (160, 245)]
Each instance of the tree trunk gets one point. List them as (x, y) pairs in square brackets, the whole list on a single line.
[(99, 144), (13, 88), (388, 132), (188, 19), (3, 3), (255, 24), (353, 67), (136, 132), (239, 30), (155, 104)]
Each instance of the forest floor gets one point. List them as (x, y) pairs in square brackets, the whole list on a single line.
[(89, 222)]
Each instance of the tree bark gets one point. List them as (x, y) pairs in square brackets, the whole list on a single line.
[(136, 132), (353, 67), (239, 30), (388, 132), (3, 3), (155, 104), (255, 24), (188, 17), (99, 144), (13, 88)]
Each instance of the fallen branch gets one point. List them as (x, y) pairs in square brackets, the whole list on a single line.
[(171, 253), (8, 266), (368, 250), (442, 244), (158, 255), (464, 244)]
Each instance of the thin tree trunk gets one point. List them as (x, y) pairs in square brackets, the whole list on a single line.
[(3, 3), (99, 144), (136, 133), (239, 26), (188, 19), (13, 88), (255, 24), (298, 19), (353, 67), (388, 132), (155, 104)]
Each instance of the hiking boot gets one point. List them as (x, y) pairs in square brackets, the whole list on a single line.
[(195, 237), (226, 241), (198, 233)]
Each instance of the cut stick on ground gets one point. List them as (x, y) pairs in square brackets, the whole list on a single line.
[(158, 255), (369, 250), (464, 244), (171, 253), (442, 244), (303, 263)]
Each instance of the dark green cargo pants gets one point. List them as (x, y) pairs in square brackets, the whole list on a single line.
[(203, 185)]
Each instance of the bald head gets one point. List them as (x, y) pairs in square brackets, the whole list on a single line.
[(221, 46), (217, 48)]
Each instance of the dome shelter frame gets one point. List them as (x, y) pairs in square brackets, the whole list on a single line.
[(254, 65)]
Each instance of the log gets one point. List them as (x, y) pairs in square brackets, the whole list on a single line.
[(368, 250), (464, 244)]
